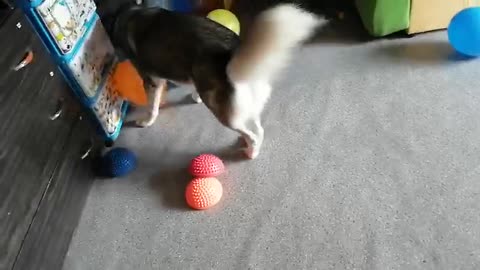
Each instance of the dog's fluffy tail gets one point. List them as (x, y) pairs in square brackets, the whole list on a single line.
[(268, 47)]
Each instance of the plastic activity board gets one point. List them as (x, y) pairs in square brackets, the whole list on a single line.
[(75, 37)]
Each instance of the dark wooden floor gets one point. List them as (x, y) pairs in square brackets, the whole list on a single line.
[(43, 180), (58, 213)]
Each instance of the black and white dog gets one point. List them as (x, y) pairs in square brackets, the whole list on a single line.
[(232, 77)]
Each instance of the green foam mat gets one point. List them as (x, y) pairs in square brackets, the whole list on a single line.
[(383, 17)]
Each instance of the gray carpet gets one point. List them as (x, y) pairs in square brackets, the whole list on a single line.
[(371, 161)]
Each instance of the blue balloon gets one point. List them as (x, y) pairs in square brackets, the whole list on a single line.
[(464, 31), (118, 162)]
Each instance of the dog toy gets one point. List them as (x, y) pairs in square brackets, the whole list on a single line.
[(118, 162), (464, 31), (129, 83), (206, 165), (203, 193), (225, 18)]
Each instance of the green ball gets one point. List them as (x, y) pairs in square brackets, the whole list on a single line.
[(225, 18)]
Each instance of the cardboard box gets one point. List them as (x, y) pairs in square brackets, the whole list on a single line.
[(429, 15)]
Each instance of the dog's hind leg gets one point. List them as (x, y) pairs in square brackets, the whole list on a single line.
[(156, 89), (247, 106), (236, 106), (252, 132)]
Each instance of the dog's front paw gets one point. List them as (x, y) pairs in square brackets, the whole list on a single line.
[(147, 121), (252, 152)]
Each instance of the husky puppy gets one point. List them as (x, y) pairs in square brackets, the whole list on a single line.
[(232, 77)]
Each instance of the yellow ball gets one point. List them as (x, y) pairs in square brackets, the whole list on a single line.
[(225, 18)]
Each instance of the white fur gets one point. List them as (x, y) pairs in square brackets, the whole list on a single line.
[(267, 50), (156, 93), (196, 97)]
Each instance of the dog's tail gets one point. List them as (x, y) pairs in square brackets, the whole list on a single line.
[(269, 45)]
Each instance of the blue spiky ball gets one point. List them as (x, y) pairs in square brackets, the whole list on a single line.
[(118, 162)]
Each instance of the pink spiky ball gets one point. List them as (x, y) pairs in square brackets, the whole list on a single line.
[(206, 165)]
